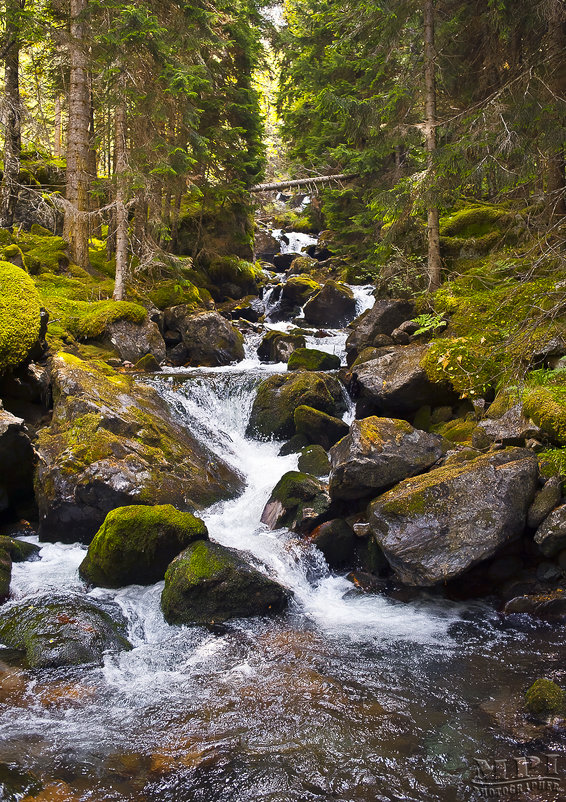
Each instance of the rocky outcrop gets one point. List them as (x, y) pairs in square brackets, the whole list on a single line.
[(17, 460), (550, 537), (382, 319), (377, 453), (435, 527), (312, 359), (135, 545), (133, 340), (277, 346), (298, 502), (333, 306), (513, 428), (113, 443), (208, 584), (62, 630), (207, 339), (395, 384), (318, 427), (279, 396)]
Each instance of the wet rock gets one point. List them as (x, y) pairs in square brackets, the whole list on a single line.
[(283, 261), (544, 502), (303, 265), (133, 340), (5, 574), (19, 550), (113, 443), (336, 540), (312, 359), (62, 630), (511, 429), (250, 309), (208, 583), (293, 446), (135, 545), (17, 460), (544, 698), (549, 606), (299, 502), (279, 396), (396, 385), (550, 537), (314, 460), (278, 346), (318, 427), (29, 383), (437, 526), (298, 289), (384, 317), (377, 453), (333, 306), (148, 364), (265, 245), (208, 339)]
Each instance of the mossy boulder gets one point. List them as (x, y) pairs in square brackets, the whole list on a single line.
[(381, 320), (435, 527), (19, 550), (20, 316), (550, 536), (278, 346), (314, 460), (298, 289), (544, 698), (298, 501), (62, 630), (279, 396), (5, 574), (113, 443), (303, 265), (135, 545), (207, 338), (312, 359), (461, 431), (209, 583), (546, 407), (318, 427), (333, 306), (377, 453)]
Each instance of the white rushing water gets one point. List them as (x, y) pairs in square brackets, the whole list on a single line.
[(293, 241)]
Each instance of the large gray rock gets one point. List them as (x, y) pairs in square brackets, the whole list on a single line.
[(62, 630), (112, 443), (547, 498), (318, 427), (277, 346), (550, 537), (382, 319), (395, 384), (435, 527), (513, 428), (298, 501), (209, 583), (377, 453), (16, 461), (207, 339), (279, 396), (333, 306), (134, 341)]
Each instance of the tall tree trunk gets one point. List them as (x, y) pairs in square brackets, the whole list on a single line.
[(556, 48), (75, 229), (433, 226), (12, 117), (58, 128), (121, 210)]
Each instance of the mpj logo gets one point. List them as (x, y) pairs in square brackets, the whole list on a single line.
[(506, 778)]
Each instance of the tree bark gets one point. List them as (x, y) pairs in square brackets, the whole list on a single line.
[(13, 116), (58, 129), (556, 48), (301, 182), (121, 210), (433, 224), (76, 228)]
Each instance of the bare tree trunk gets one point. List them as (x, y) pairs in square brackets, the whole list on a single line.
[(58, 129), (13, 116), (556, 172), (433, 227), (75, 229), (121, 210)]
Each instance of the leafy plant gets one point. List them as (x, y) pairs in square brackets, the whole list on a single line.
[(429, 321)]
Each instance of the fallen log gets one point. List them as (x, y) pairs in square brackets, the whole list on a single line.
[(301, 182)]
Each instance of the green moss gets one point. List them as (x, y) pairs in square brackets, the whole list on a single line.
[(474, 221), (312, 359), (544, 697), (230, 269), (202, 562), (546, 406), (552, 462), (314, 460), (468, 368), (173, 293), (19, 550), (19, 316), (456, 431), (303, 264)]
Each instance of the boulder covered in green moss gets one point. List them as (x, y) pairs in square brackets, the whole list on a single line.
[(550, 536), (377, 453), (298, 501), (277, 346), (279, 396), (318, 427), (314, 460), (5, 574), (435, 527), (20, 316), (382, 319), (62, 630), (333, 306), (312, 359), (395, 384), (303, 265), (209, 583), (207, 339), (544, 698), (298, 289), (17, 460), (19, 550), (113, 443), (135, 545)]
